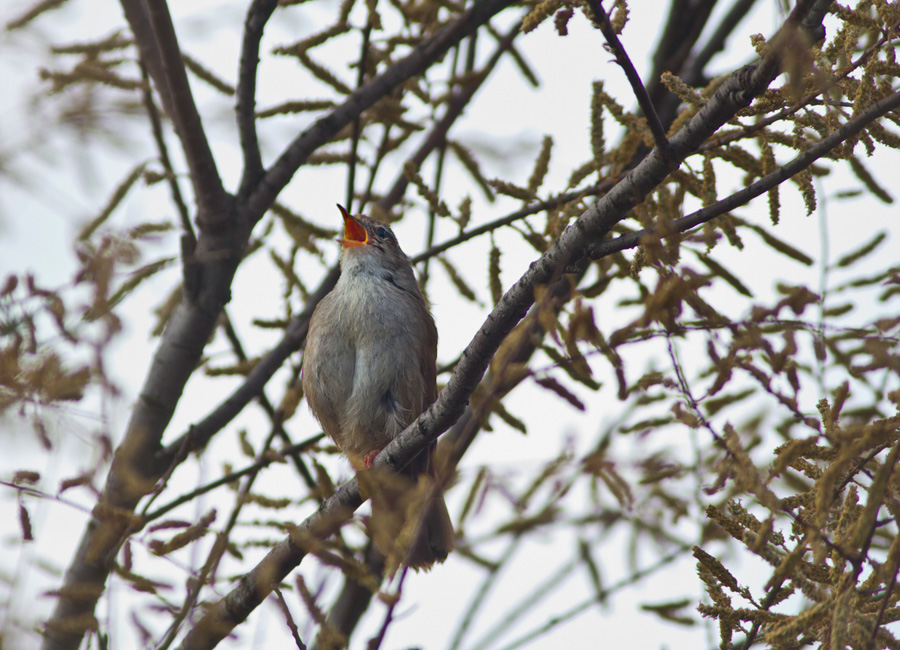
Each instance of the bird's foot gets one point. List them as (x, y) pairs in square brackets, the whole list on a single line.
[(369, 458)]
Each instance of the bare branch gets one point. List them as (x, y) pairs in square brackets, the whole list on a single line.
[(170, 75), (637, 86), (258, 15)]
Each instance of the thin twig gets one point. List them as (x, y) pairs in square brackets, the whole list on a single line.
[(438, 133), (512, 217), (574, 611), (295, 632), (538, 596), (637, 86), (354, 140), (183, 111), (274, 416), (505, 44), (208, 571), (258, 15), (40, 494), (201, 433), (169, 172), (375, 642), (489, 580), (230, 477)]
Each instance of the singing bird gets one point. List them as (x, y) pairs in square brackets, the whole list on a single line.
[(369, 368)]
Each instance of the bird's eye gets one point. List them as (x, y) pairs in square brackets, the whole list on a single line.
[(382, 233)]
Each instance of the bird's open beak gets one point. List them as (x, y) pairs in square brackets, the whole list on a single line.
[(354, 234)]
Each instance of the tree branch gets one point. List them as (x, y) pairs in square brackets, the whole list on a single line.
[(258, 15), (170, 74), (693, 69), (171, 179), (424, 55), (637, 86), (686, 21), (139, 22)]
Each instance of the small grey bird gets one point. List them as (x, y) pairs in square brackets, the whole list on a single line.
[(369, 368)]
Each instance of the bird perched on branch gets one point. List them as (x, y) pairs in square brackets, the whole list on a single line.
[(369, 370)]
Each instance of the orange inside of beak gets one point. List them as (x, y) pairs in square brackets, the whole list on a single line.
[(354, 234)]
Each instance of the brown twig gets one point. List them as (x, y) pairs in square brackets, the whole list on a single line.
[(354, 139), (183, 111), (258, 15), (292, 626), (375, 642), (637, 86), (171, 178)]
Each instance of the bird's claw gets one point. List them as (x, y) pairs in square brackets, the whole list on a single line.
[(369, 458)]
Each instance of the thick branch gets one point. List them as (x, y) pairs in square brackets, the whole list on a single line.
[(131, 475), (139, 22)]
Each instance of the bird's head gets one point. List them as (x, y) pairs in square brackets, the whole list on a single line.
[(369, 241)]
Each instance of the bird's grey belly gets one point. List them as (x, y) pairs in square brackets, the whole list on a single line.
[(375, 382), (374, 414)]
